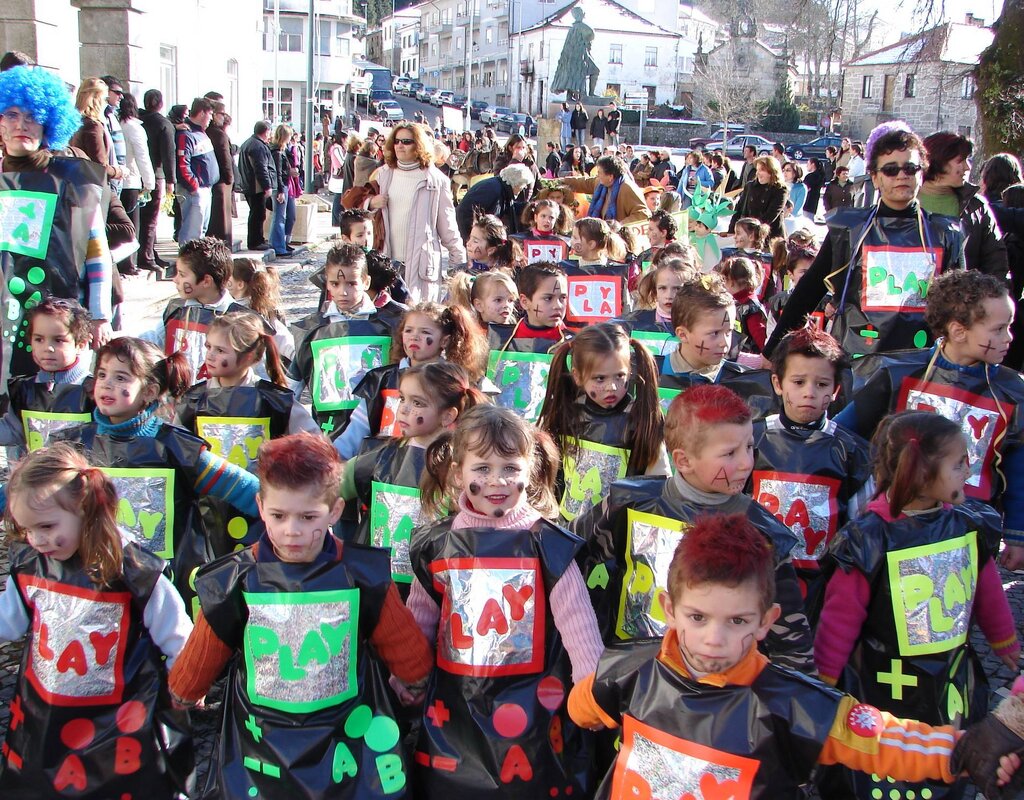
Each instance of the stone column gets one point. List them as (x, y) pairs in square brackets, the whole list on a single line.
[(112, 34), (42, 30)]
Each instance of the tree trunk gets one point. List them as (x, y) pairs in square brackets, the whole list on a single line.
[(1000, 95)]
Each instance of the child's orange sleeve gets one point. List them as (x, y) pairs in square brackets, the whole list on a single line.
[(583, 708), (399, 641), (872, 741), (201, 661)]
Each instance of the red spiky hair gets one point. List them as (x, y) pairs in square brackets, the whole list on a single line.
[(810, 343), (698, 409), (723, 549), (301, 461)]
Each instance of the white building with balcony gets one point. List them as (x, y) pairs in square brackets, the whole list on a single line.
[(284, 68), (400, 43)]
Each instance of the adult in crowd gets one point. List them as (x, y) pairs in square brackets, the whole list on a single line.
[(763, 198), (694, 173), (1000, 173), (257, 179), (295, 150), (353, 144), (139, 177), (160, 140), (779, 153), (793, 177), (814, 181), (220, 202), (947, 191), (838, 191), (643, 170), (93, 137), (580, 121), (845, 152), (614, 196), (576, 161), (115, 91), (858, 174), (612, 124), (662, 170), (368, 161), (279, 196), (564, 118), (176, 116), (828, 164), (599, 128), (197, 171), (553, 163), (336, 176), (417, 213), (502, 195), (37, 120), (517, 151), (897, 159), (747, 171)]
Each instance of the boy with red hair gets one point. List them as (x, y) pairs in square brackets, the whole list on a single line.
[(631, 535), (305, 713), (704, 714)]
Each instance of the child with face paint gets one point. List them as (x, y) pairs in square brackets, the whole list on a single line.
[(960, 377), (791, 258), (490, 247), (710, 440), (742, 278), (257, 286), (234, 402), (489, 296), (497, 588), (337, 346), (428, 333), (162, 470), (297, 616), (701, 697), (201, 278), (60, 393), (603, 412), (385, 475), (547, 219), (704, 318), (655, 293), (811, 473), (913, 573), (72, 567)]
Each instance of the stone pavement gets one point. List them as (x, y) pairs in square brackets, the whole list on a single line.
[(145, 300)]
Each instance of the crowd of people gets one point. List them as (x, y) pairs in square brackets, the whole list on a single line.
[(547, 498)]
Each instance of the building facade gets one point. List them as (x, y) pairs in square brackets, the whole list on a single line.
[(925, 80)]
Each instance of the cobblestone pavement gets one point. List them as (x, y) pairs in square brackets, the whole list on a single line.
[(146, 299)]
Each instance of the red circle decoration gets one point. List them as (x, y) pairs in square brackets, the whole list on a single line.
[(551, 692), (131, 716), (864, 720), (77, 733), (509, 720)]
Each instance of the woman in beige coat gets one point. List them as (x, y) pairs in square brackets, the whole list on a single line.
[(417, 211)]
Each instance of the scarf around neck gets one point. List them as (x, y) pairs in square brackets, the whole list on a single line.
[(597, 201)]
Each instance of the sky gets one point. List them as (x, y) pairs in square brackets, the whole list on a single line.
[(895, 18)]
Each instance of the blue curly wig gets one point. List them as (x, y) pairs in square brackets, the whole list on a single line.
[(43, 95)]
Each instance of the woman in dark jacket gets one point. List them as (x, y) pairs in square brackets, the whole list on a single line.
[(946, 191), (220, 208), (814, 180), (599, 128), (579, 121), (1001, 186), (763, 198), (516, 151), (279, 196)]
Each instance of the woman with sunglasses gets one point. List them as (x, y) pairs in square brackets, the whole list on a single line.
[(415, 203), (877, 262)]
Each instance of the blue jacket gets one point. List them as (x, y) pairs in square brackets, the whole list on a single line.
[(197, 162)]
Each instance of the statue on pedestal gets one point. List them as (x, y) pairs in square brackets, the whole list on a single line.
[(576, 73)]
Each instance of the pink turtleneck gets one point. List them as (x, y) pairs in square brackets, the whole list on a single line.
[(571, 610)]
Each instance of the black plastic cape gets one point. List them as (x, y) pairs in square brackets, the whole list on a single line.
[(495, 723), (683, 739), (306, 714), (630, 539), (881, 269), (331, 357), (546, 247), (91, 717), (595, 292), (379, 388), (913, 657), (753, 385), (185, 329), (45, 411), (519, 368)]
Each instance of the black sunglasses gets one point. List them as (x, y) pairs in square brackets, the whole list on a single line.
[(405, 141), (892, 170)]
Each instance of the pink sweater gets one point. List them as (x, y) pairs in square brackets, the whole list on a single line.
[(848, 595), (570, 603)]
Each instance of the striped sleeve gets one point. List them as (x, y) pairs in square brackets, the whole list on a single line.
[(219, 478), (97, 270)]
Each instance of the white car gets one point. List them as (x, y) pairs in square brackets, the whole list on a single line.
[(390, 110), (445, 99), (489, 115), (435, 98)]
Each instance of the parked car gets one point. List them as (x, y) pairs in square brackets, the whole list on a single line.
[(375, 98), (445, 99), (475, 107), (512, 122), (489, 115), (716, 138), (433, 99), (415, 87), (390, 110), (734, 147), (401, 85), (424, 92), (459, 102), (814, 148)]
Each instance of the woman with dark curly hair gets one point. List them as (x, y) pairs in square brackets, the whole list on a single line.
[(877, 262)]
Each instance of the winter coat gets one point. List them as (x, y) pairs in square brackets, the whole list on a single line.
[(630, 205), (985, 249), (815, 182), (139, 168), (256, 170), (837, 196), (580, 118), (160, 136), (762, 201), (430, 227), (222, 149), (489, 196), (565, 120), (598, 127)]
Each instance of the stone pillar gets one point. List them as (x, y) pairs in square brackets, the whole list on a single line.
[(43, 30), (112, 36)]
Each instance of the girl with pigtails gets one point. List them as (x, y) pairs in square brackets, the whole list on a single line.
[(498, 589), (603, 412)]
